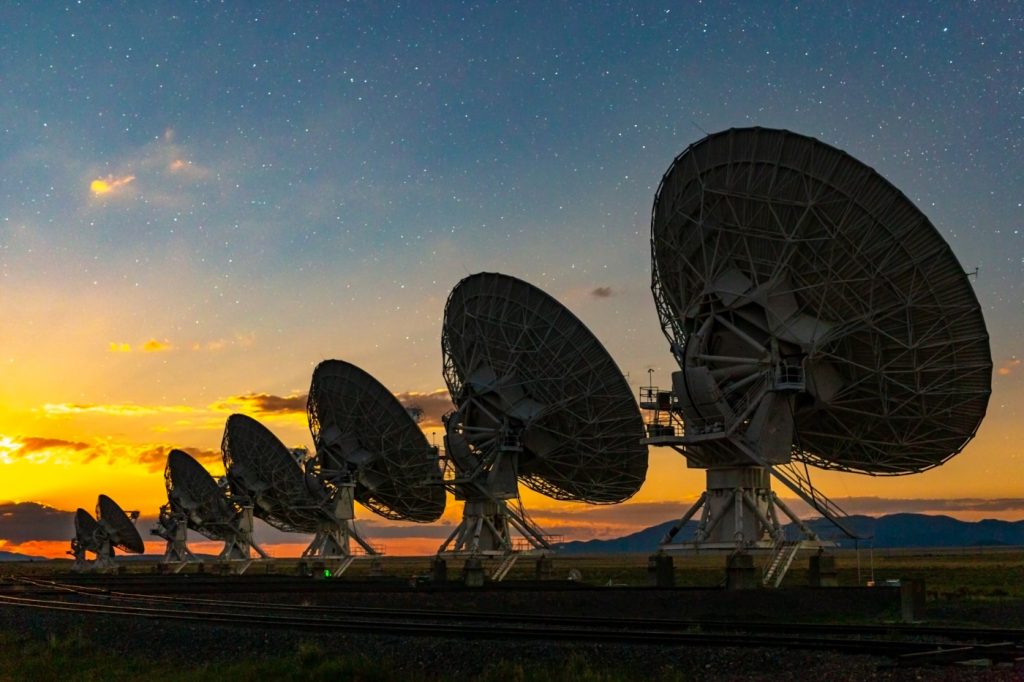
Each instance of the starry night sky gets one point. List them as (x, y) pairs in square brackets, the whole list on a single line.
[(199, 202)]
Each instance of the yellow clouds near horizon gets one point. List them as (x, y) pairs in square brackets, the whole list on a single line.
[(265, 405), (35, 449), (121, 410), (426, 408), (110, 184), (44, 450), (155, 346), (150, 346)]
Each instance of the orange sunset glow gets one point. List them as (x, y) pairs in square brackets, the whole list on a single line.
[(196, 208)]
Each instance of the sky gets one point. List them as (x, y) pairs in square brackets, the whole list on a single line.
[(200, 201)]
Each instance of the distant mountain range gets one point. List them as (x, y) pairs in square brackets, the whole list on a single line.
[(891, 531), (14, 556)]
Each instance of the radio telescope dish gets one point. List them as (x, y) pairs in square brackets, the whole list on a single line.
[(87, 530), (538, 399), (111, 528), (89, 537), (363, 435), (262, 472), (817, 317), (195, 501), (120, 529)]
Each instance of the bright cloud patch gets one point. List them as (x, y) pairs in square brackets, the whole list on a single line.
[(155, 346), (38, 450), (124, 410), (155, 458), (103, 186), (116, 347), (43, 450), (263, 404)]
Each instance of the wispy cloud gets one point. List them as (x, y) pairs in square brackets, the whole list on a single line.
[(263, 404), (187, 169), (43, 450), (35, 449), (150, 346), (429, 406), (32, 444), (1009, 367), (119, 410), (110, 184), (214, 345), (155, 458), (877, 506), (163, 170)]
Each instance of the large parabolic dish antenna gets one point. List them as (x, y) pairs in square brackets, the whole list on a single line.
[(261, 470), (365, 436), (118, 527), (538, 399), (89, 537), (195, 501), (264, 473), (100, 535), (86, 530), (816, 314)]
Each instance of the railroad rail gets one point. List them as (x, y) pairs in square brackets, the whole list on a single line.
[(672, 625), (903, 644)]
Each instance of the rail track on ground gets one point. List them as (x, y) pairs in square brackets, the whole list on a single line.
[(904, 644)]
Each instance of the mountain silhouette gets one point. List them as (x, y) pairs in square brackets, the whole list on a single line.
[(890, 531)]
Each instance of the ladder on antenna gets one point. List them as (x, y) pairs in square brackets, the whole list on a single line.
[(343, 565), (505, 566), (800, 483), (782, 557)]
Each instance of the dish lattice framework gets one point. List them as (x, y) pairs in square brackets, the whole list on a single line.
[(88, 534), (815, 237), (585, 442), (261, 470), (194, 494), (118, 527), (362, 431)]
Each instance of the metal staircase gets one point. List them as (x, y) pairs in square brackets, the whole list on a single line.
[(505, 566), (800, 483), (782, 557)]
